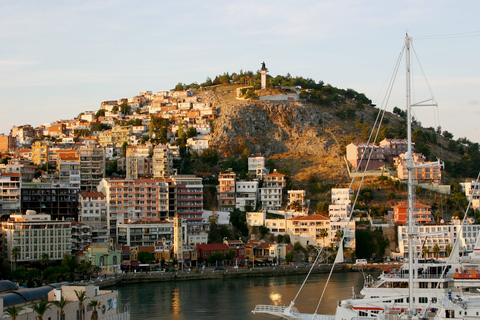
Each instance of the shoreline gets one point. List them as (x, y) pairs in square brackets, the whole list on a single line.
[(230, 273)]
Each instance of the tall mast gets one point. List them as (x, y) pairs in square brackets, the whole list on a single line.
[(409, 160)]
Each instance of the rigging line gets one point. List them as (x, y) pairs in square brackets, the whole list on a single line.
[(424, 76), (451, 35), (377, 124), (308, 275)]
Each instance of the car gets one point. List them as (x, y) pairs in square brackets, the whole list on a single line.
[(361, 261), (219, 268)]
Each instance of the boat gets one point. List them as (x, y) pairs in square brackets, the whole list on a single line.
[(419, 288)]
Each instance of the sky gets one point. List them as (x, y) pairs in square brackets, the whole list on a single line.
[(60, 58)]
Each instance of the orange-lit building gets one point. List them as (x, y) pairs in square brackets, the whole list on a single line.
[(421, 213)]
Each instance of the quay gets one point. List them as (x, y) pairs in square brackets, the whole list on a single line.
[(229, 273)]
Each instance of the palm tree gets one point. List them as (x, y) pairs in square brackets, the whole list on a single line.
[(425, 251), (436, 250), (323, 234), (60, 304), (81, 296), (15, 254), (339, 236), (94, 304), (44, 261), (448, 249), (41, 307), (13, 311)]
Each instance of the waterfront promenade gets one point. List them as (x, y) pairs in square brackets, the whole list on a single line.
[(227, 273)]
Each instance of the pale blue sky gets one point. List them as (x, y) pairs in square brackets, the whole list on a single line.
[(60, 58)]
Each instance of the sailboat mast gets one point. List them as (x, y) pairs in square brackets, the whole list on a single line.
[(409, 160)]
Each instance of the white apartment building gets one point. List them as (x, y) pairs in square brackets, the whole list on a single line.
[(198, 143), (246, 194), (144, 233), (256, 219), (445, 235), (338, 213), (93, 212), (272, 191), (472, 192), (69, 173), (34, 235), (256, 166), (10, 184), (297, 196)]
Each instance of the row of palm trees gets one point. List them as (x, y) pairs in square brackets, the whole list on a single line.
[(43, 305)]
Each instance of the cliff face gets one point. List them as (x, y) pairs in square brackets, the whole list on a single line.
[(298, 136)]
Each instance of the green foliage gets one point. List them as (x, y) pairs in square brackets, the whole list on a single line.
[(100, 113), (370, 243), (238, 220), (101, 127), (146, 257)]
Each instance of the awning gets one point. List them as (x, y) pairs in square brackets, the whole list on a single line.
[(135, 264)]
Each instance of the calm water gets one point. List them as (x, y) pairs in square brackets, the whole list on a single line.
[(233, 298)]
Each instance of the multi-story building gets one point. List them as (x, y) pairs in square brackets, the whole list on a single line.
[(10, 186), (92, 167), (69, 172), (393, 147), (428, 174), (363, 156), (162, 162), (135, 199), (144, 233), (246, 196), (23, 167), (256, 166), (472, 192), (23, 134), (103, 256), (117, 136), (440, 239), (272, 191), (421, 213), (139, 162), (93, 212), (226, 190), (308, 230), (341, 204), (35, 235), (198, 144), (7, 143), (40, 153), (297, 197), (81, 236), (61, 202)]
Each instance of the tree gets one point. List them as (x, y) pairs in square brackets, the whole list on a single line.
[(15, 254), (44, 261), (13, 311), (81, 296), (425, 251), (94, 304), (436, 250), (323, 234), (61, 304), (41, 307), (146, 257), (448, 249)]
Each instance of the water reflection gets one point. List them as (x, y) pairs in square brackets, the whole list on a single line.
[(232, 298)]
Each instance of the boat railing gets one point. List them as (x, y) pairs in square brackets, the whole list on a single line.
[(265, 308)]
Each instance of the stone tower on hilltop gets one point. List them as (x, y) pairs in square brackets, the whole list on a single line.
[(264, 70)]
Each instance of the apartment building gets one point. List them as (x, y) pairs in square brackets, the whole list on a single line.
[(92, 167), (297, 197), (440, 239), (308, 230), (61, 202), (23, 134), (393, 148), (23, 167), (7, 143), (144, 233), (10, 186), (246, 195), (271, 194), (430, 174), (40, 153), (135, 199), (69, 172), (162, 162), (256, 166), (81, 236), (226, 190), (117, 136), (421, 213), (138, 161), (363, 156), (472, 192), (35, 235), (93, 212)]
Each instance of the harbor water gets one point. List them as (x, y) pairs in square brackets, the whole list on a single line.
[(234, 298)]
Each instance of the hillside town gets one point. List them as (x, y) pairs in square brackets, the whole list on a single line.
[(107, 188)]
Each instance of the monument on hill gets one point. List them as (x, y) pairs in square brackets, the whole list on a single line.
[(263, 79)]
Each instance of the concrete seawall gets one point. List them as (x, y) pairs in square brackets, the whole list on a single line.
[(228, 273)]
